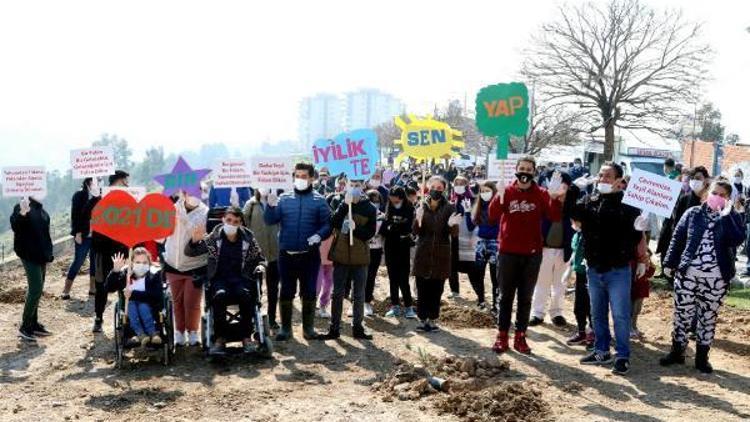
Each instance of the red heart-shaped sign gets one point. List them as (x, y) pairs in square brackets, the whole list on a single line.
[(119, 217)]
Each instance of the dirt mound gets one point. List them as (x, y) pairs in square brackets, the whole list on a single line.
[(17, 295), (448, 374), (506, 402), (457, 316)]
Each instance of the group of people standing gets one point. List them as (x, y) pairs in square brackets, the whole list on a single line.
[(326, 238)]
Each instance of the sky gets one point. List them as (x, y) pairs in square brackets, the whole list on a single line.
[(179, 74)]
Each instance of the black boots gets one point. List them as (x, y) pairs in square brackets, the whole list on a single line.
[(285, 311), (333, 334), (701, 359), (359, 332), (308, 319), (676, 355)]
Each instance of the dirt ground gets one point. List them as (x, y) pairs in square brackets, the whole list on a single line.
[(70, 376)]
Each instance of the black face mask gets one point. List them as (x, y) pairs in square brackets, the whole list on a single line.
[(435, 195), (524, 177)]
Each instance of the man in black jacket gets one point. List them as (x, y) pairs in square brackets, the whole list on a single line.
[(610, 244), (103, 249), (33, 245), (80, 229)]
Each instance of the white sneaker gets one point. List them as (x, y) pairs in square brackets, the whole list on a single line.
[(179, 339), (193, 338), (368, 310), (324, 313)]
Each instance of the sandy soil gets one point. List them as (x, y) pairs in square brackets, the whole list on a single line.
[(70, 376)]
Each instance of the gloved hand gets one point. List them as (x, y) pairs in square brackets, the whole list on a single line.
[(466, 204), (95, 190), (25, 205), (347, 225), (640, 270), (668, 272), (273, 199), (641, 222), (314, 240), (454, 220), (553, 186)]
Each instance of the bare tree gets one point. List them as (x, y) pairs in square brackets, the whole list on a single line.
[(624, 64), (550, 125)]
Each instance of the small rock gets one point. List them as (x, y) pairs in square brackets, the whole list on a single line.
[(160, 405)]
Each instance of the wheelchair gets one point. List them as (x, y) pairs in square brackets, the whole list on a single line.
[(164, 319), (259, 325)]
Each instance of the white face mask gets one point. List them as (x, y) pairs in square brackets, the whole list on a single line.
[(486, 196), (301, 184), (737, 180), (229, 229), (263, 191), (397, 206), (604, 188), (696, 185), (375, 183), (460, 190), (139, 270)]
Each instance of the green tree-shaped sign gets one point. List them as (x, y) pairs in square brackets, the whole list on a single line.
[(502, 111)]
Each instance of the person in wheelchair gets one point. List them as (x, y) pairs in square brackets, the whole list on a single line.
[(234, 259), (144, 293)]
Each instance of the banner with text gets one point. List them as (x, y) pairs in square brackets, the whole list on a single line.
[(502, 169), (24, 181), (233, 173), (651, 192), (272, 173), (353, 153), (92, 162)]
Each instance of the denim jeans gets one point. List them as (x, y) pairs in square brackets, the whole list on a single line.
[(607, 290), (81, 251), (342, 274), (140, 318)]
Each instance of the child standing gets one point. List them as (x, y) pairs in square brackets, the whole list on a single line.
[(582, 303), (144, 293), (639, 291), (324, 286)]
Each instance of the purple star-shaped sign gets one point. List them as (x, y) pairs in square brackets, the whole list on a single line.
[(183, 178)]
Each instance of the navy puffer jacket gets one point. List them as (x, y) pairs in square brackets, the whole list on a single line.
[(729, 233), (300, 214)]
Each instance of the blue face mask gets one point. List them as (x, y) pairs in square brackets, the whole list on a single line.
[(356, 192)]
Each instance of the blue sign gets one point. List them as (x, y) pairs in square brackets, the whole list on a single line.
[(353, 153)]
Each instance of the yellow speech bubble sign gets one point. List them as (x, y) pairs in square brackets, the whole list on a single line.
[(426, 138)]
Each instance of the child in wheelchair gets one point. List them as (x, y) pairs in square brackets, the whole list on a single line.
[(144, 292)]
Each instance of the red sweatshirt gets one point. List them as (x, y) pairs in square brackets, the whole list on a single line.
[(520, 217)]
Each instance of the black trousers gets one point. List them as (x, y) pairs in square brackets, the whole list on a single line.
[(582, 303), (397, 263), (225, 294), (516, 274), (453, 279), (430, 292), (102, 290), (272, 290), (376, 256)]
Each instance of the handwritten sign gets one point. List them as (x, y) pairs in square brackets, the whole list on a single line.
[(353, 153), (503, 169), (502, 110), (233, 173), (92, 162), (272, 173), (182, 178), (24, 181), (121, 218), (137, 192), (424, 139), (651, 192)]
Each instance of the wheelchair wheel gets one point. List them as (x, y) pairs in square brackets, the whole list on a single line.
[(169, 347), (265, 348), (119, 335)]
